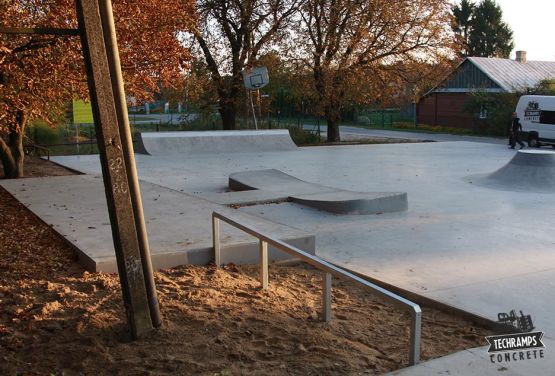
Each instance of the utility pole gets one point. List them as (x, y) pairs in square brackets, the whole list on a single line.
[(97, 33), (100, 52)]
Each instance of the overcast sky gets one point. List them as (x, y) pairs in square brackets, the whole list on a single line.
[(532, 22)]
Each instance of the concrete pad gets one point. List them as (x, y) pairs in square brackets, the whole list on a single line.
[(178, 225), (477, 361), (480, 249), (272, 180), (244, 197), (338, 201), (212, 142)]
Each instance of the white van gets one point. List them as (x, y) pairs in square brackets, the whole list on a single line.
[(537, 116)]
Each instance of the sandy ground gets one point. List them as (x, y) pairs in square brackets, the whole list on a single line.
[(56, 318)]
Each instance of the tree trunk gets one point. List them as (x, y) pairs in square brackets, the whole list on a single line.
[(228, 114), (11, 152), (228, 98), (332, 118), (333, 131)]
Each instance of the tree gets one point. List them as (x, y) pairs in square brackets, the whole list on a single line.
[(463, 14), (490, 36), (482, 30), (233, 34), (39, 74), (491, 111), (544, 87), (353, 46)]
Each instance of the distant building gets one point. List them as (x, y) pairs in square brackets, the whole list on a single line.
[(444, 104)]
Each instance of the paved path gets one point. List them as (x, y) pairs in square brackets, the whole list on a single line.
[(350, 132)]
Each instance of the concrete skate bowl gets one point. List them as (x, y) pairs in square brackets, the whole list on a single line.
[(283, 186), (214, 142), (528, 170)]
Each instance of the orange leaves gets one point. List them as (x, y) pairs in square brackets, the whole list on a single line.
[(41, 73)]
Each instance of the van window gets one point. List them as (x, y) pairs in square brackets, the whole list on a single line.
[(547, 117)]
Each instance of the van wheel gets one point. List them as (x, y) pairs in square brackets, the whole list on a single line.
[(533, 142)]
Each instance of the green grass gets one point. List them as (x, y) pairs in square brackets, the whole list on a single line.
[(72, 149)]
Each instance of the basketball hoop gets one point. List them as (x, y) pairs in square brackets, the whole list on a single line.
[(255, 78)]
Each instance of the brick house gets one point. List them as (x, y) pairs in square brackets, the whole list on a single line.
[(444, 104)]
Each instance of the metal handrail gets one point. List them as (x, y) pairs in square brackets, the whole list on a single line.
[(328, 268)]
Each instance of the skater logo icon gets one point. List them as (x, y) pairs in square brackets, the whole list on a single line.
[(532, 112), (516, 347)]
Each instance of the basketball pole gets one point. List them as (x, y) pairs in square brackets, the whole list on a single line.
[(253, 111)]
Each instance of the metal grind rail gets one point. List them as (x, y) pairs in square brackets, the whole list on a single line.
[(328, 270)]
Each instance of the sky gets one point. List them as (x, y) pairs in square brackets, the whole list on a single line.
[(532, 23)]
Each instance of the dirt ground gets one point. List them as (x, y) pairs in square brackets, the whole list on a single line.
[(56, 318), (36, 167)]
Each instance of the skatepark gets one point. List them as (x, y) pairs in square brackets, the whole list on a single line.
[(465, 223)]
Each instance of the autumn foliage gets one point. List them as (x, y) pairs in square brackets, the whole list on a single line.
[(39, 74), (358, 49)]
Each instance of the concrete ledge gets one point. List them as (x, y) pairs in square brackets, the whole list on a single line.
[(179, 225), (274, 183), (345, 202)]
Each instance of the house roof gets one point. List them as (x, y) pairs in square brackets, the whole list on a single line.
[(512, 75), (504, 74)]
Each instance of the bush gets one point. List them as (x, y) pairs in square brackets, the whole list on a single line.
[(496, 110), (303, 137), (42, 133)]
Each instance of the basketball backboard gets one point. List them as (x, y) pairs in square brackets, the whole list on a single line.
[(255, 78)]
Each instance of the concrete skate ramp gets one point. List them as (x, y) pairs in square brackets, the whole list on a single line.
[(528, 170), (314, 195), (214, 142)]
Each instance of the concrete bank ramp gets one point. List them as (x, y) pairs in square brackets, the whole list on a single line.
[(214, 142), (528, 170), (281, 186)]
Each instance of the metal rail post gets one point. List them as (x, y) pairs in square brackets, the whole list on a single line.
[(263, 246), (326, 296), (216, 241), (415, 328)]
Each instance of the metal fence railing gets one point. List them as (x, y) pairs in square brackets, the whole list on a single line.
[(327, 268)]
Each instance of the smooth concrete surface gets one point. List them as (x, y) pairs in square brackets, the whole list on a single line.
[(332, 200), (213, 142), (178, 225), (480, 249), (477, 361)]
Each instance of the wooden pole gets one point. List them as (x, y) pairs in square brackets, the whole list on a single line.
[(114, 168)]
